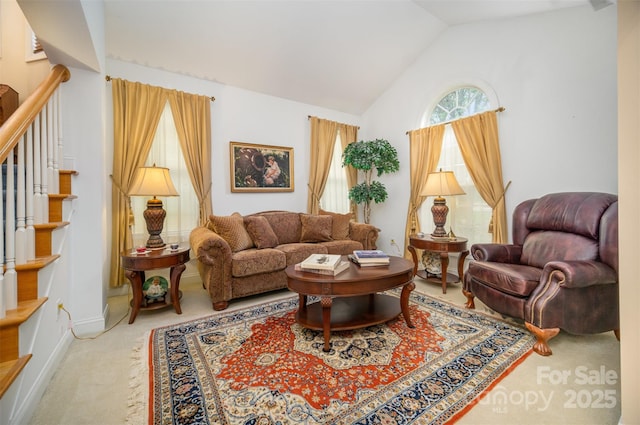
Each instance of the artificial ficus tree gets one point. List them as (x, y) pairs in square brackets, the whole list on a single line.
[(368, 156)]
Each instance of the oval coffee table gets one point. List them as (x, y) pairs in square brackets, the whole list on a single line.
[(351, 300)]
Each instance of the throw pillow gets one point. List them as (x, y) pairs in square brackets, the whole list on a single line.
[(315, 228), (261, 232), (340, 226), (232, 230)]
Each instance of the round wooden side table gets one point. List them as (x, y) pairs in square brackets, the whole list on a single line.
[(136, 264), (443, 247)]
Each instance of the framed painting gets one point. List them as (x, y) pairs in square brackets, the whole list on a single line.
[(260, 168)]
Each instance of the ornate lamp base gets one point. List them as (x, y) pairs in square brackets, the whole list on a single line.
[(154, 216), (439, 211)]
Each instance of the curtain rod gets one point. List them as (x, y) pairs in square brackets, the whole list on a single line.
[(309, 117), (108, 78), (500, 109)]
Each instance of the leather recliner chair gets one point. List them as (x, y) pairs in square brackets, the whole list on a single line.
[(561, 272)]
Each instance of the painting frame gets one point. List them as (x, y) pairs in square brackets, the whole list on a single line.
[(258, 168)]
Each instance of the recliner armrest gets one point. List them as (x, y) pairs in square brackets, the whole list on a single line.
[(497, 253), (579, 274)]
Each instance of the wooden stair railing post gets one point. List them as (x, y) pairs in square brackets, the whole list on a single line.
[(32, 135)]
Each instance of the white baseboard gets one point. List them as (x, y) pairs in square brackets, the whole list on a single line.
[(29, 403)]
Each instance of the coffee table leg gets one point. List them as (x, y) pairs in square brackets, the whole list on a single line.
[(404, 302), (326, 322)]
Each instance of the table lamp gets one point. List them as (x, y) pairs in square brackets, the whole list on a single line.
[(153, 181), (439, 184)]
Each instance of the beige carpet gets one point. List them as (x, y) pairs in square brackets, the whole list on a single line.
[(91, 385)]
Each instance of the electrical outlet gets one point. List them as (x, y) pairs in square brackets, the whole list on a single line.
[(59, 304), (393, 241)]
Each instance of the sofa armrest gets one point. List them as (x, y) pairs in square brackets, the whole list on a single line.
[(209, 247), (579, 274), (214, 262), (366, 234), (497, 253)]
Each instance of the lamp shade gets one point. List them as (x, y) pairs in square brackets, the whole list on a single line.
[(442, 183), (152, 181)]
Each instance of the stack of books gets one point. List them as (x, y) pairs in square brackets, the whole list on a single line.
[(328, 264), (369, 258)]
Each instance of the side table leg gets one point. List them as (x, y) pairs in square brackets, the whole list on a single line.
[(174, 275), (136, 287), (412, 250), (404, 302), (444, 264), (326, 322), (463, 255)]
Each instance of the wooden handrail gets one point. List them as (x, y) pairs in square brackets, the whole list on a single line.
[(17, 124)]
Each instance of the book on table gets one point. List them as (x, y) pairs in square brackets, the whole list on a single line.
[(380, 263), (342, 266), (321, 261), (375, 256)]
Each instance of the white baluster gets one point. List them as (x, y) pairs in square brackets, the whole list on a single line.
[(21, 231), (10, 278), (51, 149), (43, 169), (38, 201), (3, 306), (29, 201)]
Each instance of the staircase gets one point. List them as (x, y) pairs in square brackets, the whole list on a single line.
[(36, 209), (11, 361)]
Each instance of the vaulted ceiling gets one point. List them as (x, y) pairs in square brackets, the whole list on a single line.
[(339, 54)]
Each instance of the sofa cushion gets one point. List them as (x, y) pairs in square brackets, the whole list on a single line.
[(260, 231), (254, 261), (232, 230), (342, 247), (298, 252), (315, 228), (286, 225), (339, 224)]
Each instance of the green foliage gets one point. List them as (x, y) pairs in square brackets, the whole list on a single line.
[(362, 193), (378, 154), (374, 155)]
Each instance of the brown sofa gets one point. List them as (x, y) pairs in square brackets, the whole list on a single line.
[(241, 256)]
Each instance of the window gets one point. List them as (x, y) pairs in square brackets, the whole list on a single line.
[(469, 215), (182, 211), (336, 191)]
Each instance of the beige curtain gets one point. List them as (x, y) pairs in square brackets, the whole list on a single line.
[(425, 146), (323, 139), (136, 111), (348, 135), (191, 115), (478, 140)]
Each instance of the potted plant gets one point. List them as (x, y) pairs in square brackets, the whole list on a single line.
[(366, 156)]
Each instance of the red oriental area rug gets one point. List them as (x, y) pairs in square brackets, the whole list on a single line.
[(258, 366)]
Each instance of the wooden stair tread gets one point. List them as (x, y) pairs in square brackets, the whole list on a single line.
[(38, 263), (54, 225), (61, 196), (10, 370), (22, 313), (72, 172)]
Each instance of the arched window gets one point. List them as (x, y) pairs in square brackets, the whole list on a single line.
[(469, 215)]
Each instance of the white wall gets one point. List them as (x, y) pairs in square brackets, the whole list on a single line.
[(556, 76), (243, 116)]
